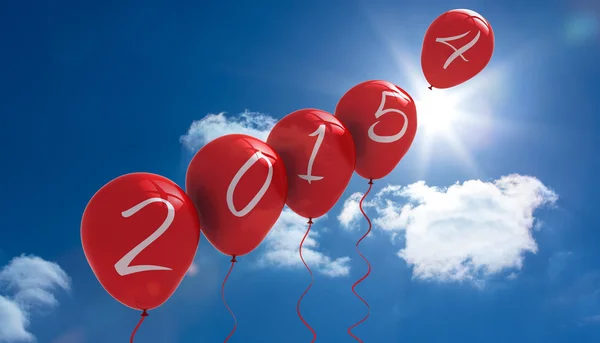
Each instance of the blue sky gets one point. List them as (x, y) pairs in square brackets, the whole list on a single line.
[(92, 91)]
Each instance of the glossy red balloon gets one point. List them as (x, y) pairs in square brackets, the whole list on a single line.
[(140, 233), (457, 46), (319, 156), (239, 186), (382, 119)]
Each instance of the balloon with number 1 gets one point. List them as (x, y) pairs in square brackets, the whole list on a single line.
[(318, 152), (319, 156)]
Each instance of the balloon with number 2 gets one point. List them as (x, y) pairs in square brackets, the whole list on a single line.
[(140, 233)]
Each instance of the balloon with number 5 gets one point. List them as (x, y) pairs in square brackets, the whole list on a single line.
[(457, 46), (319, 156), (382, 119), (140, 233), (239, 186)]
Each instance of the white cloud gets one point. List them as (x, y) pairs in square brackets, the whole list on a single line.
[(351, 210), (282, 243), (27, 283), (464, 231), (512, 276), (216, 125)]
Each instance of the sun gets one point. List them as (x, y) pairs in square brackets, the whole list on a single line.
[(437, 113)]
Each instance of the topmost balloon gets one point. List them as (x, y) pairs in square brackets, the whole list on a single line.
[(457, 46)]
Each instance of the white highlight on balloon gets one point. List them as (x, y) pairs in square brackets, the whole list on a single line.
[(381, 111), (123, 266), (238, 176), (320, 133), (458, 52)]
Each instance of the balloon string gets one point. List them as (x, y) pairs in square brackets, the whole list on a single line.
[(144, 315), (310, 222), (360, 204), (233, 261)]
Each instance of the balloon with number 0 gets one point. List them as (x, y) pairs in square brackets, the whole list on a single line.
[(382, 119), (239, 186), (457, 46), (319, 156), (140, 233)]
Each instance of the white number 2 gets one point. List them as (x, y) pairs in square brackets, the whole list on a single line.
[(123, 266), (381, 111), (238, 176), (320, 133)]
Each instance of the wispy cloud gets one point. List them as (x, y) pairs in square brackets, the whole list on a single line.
[(193, 270), (351, 210), (27, 283), (595, 319), (73, 336), (579, 299), (557, 263), (464, 231), (212, 126), (281, 245)]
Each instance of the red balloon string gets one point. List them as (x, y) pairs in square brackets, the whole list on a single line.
[(360, 204), (144, 315), (233, 261), (310, 222)]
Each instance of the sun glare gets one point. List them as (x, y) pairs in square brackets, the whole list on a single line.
[(436, 113)]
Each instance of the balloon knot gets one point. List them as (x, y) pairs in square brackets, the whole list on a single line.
[(430, 88), (233, 260), (310, 221), (370, 181), (145, 313)]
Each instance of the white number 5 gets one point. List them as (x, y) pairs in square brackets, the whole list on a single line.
[(381, 111), (123, 266)]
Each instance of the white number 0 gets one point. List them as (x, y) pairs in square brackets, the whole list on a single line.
[(381, 111), (123, 266), (238, 176), (320, 133)]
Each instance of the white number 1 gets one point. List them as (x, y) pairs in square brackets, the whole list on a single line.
[(123, 266), (320, 133), (381, 111)]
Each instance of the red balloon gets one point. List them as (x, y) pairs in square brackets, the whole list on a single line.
[(239, 186), (382, 119), (319, 156), (457, 46), (140, 233)]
